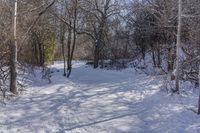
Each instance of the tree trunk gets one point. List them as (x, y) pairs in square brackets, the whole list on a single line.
[(62, 36), (13, 60), (69, 48), (62, 39), (96, 56), (43, 55), (102, 61), (35, 56), (178, 45), (169, 63), (199, 93), (159, 63), (74, 41), (40, 53), (13, 70), (153, 58), (171, 58)]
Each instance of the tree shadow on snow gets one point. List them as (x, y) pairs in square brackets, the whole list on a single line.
[(98, 99)]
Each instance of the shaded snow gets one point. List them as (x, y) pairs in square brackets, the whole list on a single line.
[(98, 101)]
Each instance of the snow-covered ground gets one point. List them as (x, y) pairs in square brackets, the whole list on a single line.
[(99, 101)]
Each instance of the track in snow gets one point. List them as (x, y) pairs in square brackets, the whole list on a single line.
[(96, 101)]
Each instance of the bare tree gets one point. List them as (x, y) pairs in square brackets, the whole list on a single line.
[(97, 13), (13, 60), (62, 38), (178, 45), (71, 50)]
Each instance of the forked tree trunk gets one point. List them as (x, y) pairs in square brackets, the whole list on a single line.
[(178, 45), (13, 57), (74, 41), (62, 41)]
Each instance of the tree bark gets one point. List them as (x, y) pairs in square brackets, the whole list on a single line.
[(40, 53), (178, 45), (153, 58), (74, 40), (169, 63), (63, 47), (199, 94), (69, 48), (13, 58), (96, 56), (159, 63)]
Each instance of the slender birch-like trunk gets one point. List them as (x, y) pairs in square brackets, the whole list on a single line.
[(13, 57), (178, 45), (199, 93)]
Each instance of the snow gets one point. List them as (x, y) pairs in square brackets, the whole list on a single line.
[(100, 101)]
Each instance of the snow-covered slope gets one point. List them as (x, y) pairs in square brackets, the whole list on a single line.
[(98, 101)]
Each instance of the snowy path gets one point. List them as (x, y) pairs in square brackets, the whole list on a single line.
[(97, 101)]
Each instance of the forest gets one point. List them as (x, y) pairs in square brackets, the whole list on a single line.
[(107, 66)]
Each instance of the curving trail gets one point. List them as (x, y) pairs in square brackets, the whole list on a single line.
[(97, 101)]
